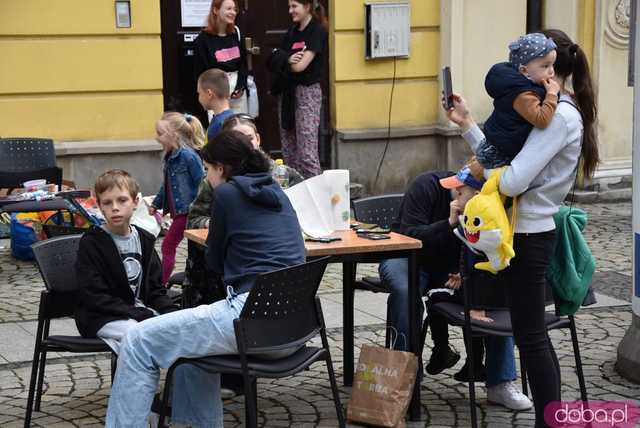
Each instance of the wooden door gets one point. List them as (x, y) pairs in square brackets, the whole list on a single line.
[(263, 21)]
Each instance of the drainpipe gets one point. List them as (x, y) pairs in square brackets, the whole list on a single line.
[(628, 362), (534, 15)]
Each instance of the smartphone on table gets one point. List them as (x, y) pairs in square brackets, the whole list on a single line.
[(373, 236)]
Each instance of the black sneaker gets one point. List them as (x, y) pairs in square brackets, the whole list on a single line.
[(480, 373), (441, 359)]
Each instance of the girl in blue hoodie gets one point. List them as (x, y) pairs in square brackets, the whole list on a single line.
[(255, 230)]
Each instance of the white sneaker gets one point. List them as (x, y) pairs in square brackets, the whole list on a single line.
[(508, 395)]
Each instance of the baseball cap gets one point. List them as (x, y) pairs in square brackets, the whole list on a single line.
[(462, 178)]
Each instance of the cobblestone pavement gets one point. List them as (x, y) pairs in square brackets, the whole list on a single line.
[(77, 388)]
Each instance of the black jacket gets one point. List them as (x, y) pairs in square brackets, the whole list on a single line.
[(506, 129), (283, 84), (424, 215), (104, 294)]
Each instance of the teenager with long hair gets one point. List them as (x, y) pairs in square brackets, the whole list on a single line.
[(305, 45), (219, 45), (541, 175)]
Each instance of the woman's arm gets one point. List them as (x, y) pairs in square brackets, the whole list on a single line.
[(243, 70), (200, 57), (304, 61), (541, 146)]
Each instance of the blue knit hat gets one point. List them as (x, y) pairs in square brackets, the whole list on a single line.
[(528, 47)]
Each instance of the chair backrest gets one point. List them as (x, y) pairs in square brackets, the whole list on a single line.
[(56, 259), (280, 311), (24, 159), (381, 210), (26, 154)]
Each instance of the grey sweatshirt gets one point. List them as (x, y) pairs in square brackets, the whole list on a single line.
[(544, 170)]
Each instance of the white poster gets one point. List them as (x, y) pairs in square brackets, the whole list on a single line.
[(194, 12)]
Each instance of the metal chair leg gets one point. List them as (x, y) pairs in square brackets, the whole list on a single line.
[(523, 376), (43, 361), (423, 337), (387, 337), (468, 344), (334, 390), (168, 383), (250, 401), (114, 366), (576, 353), (32, 385)]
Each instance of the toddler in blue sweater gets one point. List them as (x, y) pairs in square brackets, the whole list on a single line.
[(524, 96)]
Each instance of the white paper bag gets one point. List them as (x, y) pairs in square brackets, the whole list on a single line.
[(141, 217)]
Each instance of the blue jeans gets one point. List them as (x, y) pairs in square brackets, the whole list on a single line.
[(157, 343), (394, 273), (500, 357), (500, 360)]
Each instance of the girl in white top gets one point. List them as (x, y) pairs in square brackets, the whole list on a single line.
[(542, 175)]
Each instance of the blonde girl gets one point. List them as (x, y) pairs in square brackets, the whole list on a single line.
[(181, 137)]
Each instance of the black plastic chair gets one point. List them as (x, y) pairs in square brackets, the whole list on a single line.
[(56, 258), (24, 159), (458, 314), (281, 312), (383, 211)]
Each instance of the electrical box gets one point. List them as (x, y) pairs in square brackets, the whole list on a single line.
[(387, 29)]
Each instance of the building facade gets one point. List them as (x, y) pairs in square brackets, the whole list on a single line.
[(69, 74)]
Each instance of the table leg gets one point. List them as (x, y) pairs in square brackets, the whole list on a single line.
[(348, 280), (414, 330)]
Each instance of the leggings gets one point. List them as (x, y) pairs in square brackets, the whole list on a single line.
[(170, 245), (526, 296), (300, 145)]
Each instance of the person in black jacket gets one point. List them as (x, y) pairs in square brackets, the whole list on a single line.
[(219, 46), (428, 212), (118, 268)]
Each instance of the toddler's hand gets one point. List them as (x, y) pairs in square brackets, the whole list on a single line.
[(477, 170), (454, 282), (551, 86), (454, 212), (480, 315)]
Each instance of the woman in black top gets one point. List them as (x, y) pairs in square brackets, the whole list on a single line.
[(219, 46), (305, 46)]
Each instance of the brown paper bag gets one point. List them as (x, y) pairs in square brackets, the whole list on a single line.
[(382, 387)]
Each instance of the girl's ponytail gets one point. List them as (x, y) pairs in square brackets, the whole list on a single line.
[(585, 98), (188, 127), (571, 61), (197, 138)]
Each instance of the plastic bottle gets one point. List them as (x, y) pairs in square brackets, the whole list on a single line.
[(281, 174)]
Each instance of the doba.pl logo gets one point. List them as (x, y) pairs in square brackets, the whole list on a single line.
[(594, 414)]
